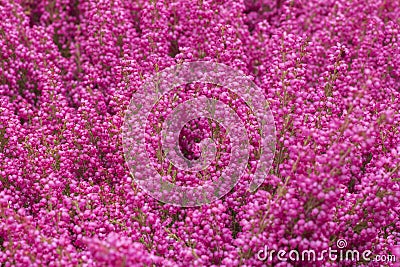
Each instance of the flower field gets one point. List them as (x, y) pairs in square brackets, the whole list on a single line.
[(70, 192)]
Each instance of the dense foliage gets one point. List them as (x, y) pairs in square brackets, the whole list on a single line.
[(68, 69)]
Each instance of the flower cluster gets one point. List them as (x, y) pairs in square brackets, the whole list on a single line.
[(68, 69)]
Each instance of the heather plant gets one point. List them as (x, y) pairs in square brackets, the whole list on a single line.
[(330, 71)]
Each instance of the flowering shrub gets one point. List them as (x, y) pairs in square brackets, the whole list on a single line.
[(329, 69)]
